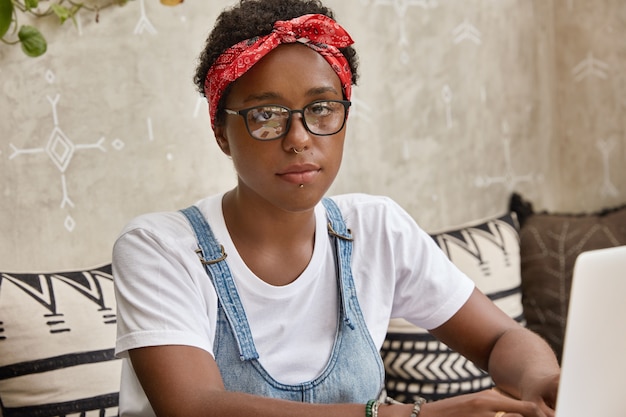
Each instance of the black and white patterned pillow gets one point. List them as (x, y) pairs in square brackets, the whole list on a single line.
[(57, 338), (416, 363)]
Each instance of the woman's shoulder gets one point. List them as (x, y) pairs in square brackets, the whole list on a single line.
[(166, 224), (373, 212), (358, 201), (362, 204)]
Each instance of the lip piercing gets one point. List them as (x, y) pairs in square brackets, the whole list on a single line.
[(297, 151), (301, 185)]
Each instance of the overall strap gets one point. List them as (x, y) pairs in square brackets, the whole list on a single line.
[(212, 256), (342, 237)]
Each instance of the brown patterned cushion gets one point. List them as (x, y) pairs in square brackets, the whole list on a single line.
[(549, 245)]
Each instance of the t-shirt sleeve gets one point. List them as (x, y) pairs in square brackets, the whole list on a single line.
[(429, 288), (435, 291), (398, 267), (164, 296)]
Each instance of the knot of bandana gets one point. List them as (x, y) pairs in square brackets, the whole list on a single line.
[(318, 32)]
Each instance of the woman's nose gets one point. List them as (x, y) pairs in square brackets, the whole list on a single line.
[(297, 137)]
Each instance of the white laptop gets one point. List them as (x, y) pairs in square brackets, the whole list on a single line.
[(593, 365)]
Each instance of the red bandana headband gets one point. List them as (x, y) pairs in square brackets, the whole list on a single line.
[(318, 32)]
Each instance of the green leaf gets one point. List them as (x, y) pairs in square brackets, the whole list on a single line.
[(62, 12), (6, 15), (73, 12), (33, 42), (31, 4)]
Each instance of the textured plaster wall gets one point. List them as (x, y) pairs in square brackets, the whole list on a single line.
[(459, 104)]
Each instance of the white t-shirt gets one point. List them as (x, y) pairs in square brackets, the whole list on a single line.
[(164, 295)]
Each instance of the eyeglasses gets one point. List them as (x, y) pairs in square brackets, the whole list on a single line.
[(269, 122)]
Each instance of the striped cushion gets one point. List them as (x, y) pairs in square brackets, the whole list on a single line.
[(57, 334)]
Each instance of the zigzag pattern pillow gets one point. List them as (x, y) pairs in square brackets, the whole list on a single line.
[(416, 363), (57, 335)]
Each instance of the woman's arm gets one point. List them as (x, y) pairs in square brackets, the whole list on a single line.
[(182, 381), (185, 381), (521, 363)]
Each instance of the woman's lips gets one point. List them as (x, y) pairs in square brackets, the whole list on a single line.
[(300, 174)]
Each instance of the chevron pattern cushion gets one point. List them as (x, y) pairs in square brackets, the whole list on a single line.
[(419, 365), (57, 334)]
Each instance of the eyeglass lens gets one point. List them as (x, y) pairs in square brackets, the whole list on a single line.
[(320, 118)]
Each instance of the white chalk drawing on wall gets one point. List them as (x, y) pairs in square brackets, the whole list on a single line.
[(61, 150), (483, 94), (201, 104), (359, 109), (446, 96), (78, 24), (606, 146), (150, 131), (144, 23), (590, 67), (510, 179), (466, 32), (401, 7)]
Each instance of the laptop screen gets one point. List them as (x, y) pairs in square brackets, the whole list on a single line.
[(594, 352)]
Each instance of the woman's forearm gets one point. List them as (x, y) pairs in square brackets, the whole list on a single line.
[(520, 359)]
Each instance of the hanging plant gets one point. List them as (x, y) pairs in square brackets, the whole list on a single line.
[(32, 41)]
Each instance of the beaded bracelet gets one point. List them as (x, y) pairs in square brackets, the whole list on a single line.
[(375, 409), (368, 408), (417, 406)]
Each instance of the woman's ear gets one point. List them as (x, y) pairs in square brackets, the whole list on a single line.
[(221, 140)]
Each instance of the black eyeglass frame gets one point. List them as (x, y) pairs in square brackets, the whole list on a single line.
[(244, 113)]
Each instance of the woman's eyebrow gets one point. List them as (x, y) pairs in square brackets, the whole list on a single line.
[(270, 95), (321, 90), (262, 96)]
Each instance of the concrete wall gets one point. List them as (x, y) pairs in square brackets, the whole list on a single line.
[(459, 104)]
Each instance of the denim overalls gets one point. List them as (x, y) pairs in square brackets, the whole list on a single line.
[(354, 372)]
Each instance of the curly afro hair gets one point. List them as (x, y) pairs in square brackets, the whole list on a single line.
[(250, 18)]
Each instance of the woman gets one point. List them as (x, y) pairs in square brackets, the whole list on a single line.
[(271, 300)]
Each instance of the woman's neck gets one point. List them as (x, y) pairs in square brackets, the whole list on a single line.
[(275, 244)]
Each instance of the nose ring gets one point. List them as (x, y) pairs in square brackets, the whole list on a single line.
[(297, 151)]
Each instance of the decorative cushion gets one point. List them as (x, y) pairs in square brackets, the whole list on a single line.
[(416, 363), (57, 334), (550, 244)]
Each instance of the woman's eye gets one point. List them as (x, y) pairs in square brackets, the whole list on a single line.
[(321, 109), (265, 114)]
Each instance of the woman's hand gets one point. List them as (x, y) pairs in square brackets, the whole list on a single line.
[(543, 392), (489, 403), (521, 363)]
